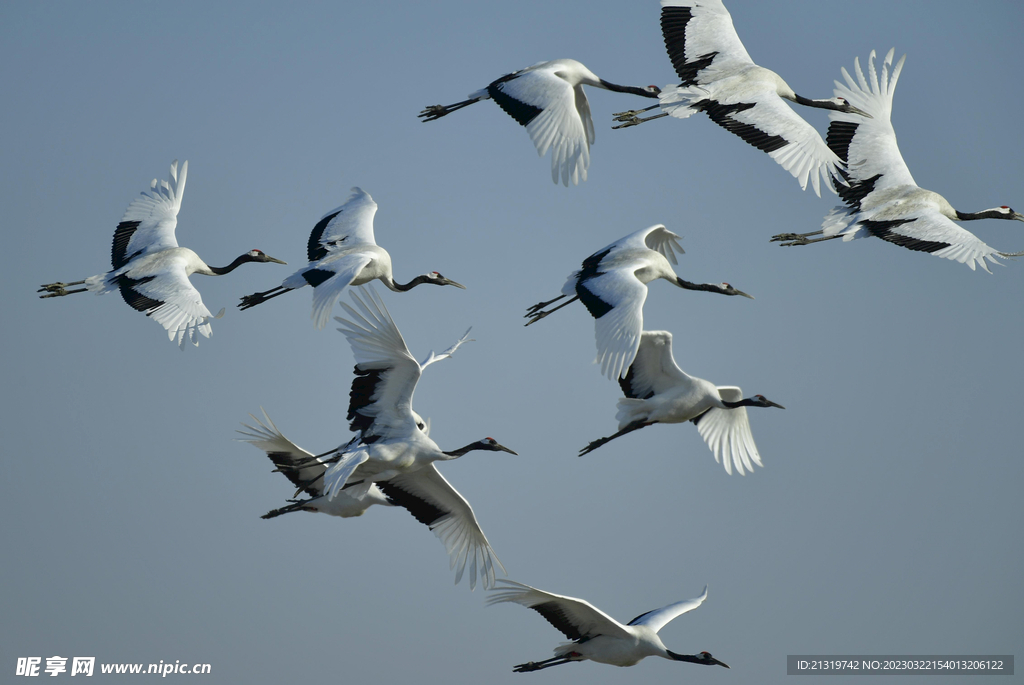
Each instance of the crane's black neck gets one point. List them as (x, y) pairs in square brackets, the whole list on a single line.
[(221, 270), (746, 402), (822, 104), (707, 287), (987, 214), (399, 288), (642, 92), (691, 658), (465, 450)]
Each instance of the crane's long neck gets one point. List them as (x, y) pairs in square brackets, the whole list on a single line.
[(642, 92), (821, 104), (221, 270), (399, 288), (706, 287), (455, 454), (702, 658)]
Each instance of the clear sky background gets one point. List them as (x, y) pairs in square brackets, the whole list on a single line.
[(887, 518)]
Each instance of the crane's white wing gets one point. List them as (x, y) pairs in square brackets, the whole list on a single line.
[(654, 370), (431, 358), (727, 433), (338, 474), (345, 227), (659, 618), (435, 503), (574, 618), (161, 289), (302, 468), (386, 372), (920, 226), (329, 277), (148, 224), (660, 239), (868, 146), (616, 300), (759, 116), (547, 105), (699, 35)]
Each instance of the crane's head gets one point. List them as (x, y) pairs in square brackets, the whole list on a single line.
[(436, 278), (729, 290), (491, 445), (702, 658), (260, 256), (843, 105), (1005, 212), (762, 401)]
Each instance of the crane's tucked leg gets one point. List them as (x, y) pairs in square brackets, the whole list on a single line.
[(801, 238), (538, 665), (633, 113), (58, 289), (631, 117), (296, 505), (636, 425), (432, 112), (535, 315), (258, 298)]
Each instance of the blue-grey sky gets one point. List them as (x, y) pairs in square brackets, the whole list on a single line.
[(887, 518)]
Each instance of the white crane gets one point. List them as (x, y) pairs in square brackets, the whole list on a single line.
[(149, 268), (394, 452), (342, 252), (597, 636), (717, 76), (612, 284), (881, 196), (548, 99), (658, 391), (305, 470)]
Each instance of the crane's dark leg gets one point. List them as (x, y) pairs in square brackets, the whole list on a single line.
[(800, 238), (636, 425), (58, 289), (538, 665), (432, 112), (536, 315), (630, 118), (258, 298), (632, 114)]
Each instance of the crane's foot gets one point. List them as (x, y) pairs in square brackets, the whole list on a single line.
[(59, 289), (593, 446), (535, 317), (793, 239), (432, 112)]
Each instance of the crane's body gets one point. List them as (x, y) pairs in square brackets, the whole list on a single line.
[(392, 451), (882, 199), (548, 99), (342, 252), (595, 635), (305, 470), (718, 76), (658, 391), (149, 268), (612, 284)]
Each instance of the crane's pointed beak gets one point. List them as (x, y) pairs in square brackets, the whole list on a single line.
[(853, 110)]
